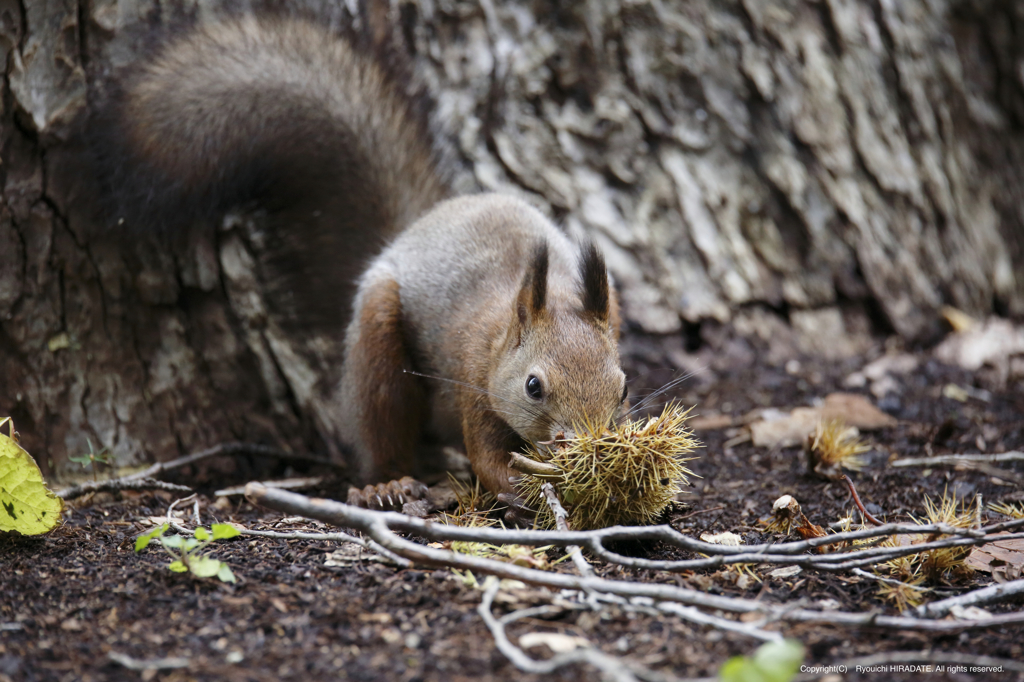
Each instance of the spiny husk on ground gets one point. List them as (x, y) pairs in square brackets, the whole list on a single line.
[(833, 446), (1014, 511), (935, 566), (621, 476)]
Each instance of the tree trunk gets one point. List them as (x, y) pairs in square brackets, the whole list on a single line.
[(840, 164)]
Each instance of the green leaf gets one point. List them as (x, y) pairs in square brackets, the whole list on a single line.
[(190, 544), (781, 659), (204, 567), (26, 504), (223, 531), (772, 662), (143, 540), (80, 459), (225, 573), (177, 567), (202, 534), (173, 542), (737, 669)]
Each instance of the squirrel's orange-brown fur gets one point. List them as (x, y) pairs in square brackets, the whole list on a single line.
[(474, 321)]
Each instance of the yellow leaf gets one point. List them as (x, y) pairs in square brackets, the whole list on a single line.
[(26, 505)]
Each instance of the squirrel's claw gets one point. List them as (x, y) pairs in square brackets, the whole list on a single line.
[(390, 496), (517, 514)]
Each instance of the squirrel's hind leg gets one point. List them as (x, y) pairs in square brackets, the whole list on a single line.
[(382, 406)]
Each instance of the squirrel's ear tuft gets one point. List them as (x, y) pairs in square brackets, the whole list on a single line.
[(593, 282), (534, 290)]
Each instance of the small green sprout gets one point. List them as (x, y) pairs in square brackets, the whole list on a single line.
[(104, 456), (187, 552)]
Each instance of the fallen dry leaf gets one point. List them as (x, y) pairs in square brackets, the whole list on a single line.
[(1005, 557), (900, 363), (958, 320), (969, 613), (711, 422), (728, 539), (558, 643), (781, 429), (855, 410), (954, 392), (989, 344), (880, 372), (785, 572)]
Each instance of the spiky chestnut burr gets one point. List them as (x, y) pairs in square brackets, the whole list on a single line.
[(604, 477)]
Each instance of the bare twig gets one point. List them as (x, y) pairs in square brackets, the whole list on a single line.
[(181, 500), (342, 515), (148, 664), (538, 611), (172, 522), (698, 512), (293, 535), (954, 460), (285, 483), (380, 526), (303, 535), (882, 579), (215, 451), (685, 612), (558, 510), (982, 463), (334, 537), (119, 484), (997, 472), (694, 615), (611, 667), (720, 555), (860, 505), (985, 595), (526, 465)]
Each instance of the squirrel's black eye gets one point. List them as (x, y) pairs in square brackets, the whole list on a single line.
[(534, 389), (625, 392)]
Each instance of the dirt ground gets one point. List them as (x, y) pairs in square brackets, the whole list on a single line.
[(80, 603)]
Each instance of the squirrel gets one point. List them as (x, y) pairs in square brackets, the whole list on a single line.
[(473, 320)]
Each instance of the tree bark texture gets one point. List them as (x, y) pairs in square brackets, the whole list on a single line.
[(826, 160)]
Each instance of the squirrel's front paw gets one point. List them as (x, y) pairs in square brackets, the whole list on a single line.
[(517, 514), (390, 496)]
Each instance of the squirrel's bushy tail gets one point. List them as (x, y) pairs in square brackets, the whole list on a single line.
[(282, 119), (269, 112)]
